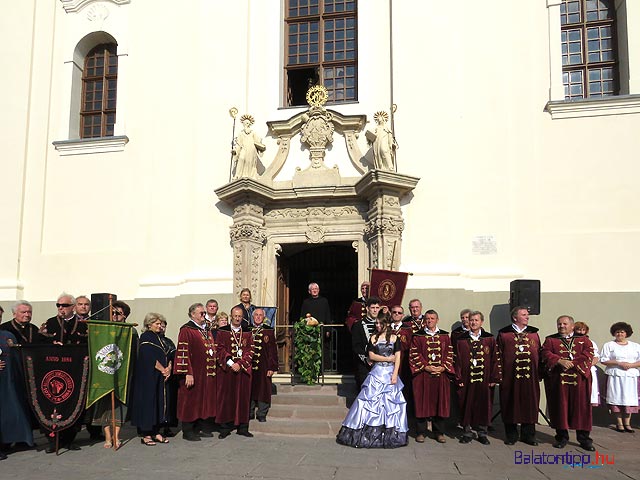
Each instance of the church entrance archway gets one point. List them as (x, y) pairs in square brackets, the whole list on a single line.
[(334, 267)]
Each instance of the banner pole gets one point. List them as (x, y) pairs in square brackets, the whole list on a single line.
[(57, 442), (114, 443)]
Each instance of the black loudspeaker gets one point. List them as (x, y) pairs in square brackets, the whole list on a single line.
[(100, 305), (525, 293)]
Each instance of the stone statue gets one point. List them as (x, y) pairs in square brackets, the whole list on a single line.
[(248, 148), (384, 144)]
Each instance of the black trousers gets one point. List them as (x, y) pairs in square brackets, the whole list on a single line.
[(527, 432), (437, 425), (581, 435)]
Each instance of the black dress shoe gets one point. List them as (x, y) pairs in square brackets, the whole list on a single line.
[(588, 448), (224, 435), (484, 440), (560, 444), (205, 434), (50, 450), (2, 456), (533, 443), (509, 442), (74, 447), (465, 440), (246, 434), (262, 419), (252, 417), (190, 437)]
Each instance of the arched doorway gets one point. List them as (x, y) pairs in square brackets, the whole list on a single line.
[(334, 267)]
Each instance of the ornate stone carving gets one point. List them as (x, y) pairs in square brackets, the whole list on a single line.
[(384, 143), (355, 245), (247, 231), (247, 149), (391, 202), (73, 6), (312, 212), (393, 226), (237, 268), (247, 208), (97, 12), (256, 256), (315, 234), (317, 133)]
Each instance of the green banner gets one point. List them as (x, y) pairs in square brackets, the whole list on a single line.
[(109, 353)]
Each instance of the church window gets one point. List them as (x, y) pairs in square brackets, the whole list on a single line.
[(321, 48), (589, 54), (99, 82)]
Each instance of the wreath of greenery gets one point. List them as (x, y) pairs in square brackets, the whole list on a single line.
[(307, 351)]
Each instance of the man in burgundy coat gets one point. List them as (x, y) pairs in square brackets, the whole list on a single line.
[(478, 370), (431, 362), (567, 361), (195, 366), (265, 364), (235, 355), (519, 346)]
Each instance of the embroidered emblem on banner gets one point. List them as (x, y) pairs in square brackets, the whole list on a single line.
[(386, 290), (57, 386), (109, 359)]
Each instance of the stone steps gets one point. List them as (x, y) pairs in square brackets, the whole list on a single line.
[(306, 410)]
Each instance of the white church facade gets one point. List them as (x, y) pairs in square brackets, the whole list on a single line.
[(174, 151)]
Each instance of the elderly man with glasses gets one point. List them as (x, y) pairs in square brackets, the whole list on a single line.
[(66, 327)]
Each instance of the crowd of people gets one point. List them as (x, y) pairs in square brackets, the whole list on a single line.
[(436, 371), (216, 377)]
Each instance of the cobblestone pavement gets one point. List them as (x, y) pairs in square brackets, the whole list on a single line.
[(274, 457)]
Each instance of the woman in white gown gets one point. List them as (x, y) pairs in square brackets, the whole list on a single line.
[(378, 416), (622, 359)]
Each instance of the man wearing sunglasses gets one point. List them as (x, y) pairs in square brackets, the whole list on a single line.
[(65, 328)]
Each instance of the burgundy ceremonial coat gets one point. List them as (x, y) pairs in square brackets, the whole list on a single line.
[(431, 392), (196, 355), (520, 387), (234, 388), (455, 335), (71, 331), (357, 311), (568, 392), (265, 358), (477, 364)]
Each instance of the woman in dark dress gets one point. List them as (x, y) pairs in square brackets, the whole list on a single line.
[(153, 368), (171, 385), (15, 424)]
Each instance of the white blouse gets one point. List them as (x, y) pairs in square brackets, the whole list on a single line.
[(629, 353)]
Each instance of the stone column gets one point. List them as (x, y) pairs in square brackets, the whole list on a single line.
[(248, 237), (383, 230)]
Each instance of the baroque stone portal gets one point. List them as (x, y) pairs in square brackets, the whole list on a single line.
[(318, 205)]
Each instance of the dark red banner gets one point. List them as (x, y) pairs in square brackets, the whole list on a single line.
[(56, 377), (388, 286)]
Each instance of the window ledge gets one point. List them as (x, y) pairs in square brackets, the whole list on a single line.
[(88, 146), (596, 107)]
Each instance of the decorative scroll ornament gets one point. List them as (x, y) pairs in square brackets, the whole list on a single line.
[(247, 231), (317, 96), (315, 235), (74, 6)]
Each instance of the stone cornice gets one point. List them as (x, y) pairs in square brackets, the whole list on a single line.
[(375, 180), (74, 6), (87, 146), (594, 107)]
